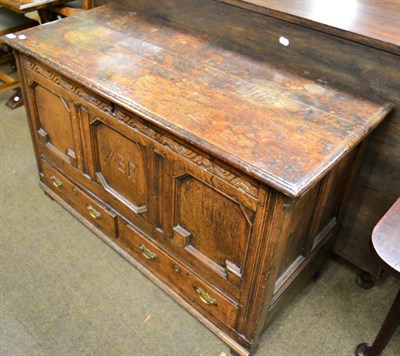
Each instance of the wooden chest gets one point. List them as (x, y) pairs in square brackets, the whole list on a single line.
[(220, 177)]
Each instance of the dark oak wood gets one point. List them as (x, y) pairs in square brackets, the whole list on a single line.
[(341, 59), (373, 23), (318, 133), (385, 243), (218, 172)]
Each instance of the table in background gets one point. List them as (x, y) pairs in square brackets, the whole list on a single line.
[(24, 6), (385, 244)]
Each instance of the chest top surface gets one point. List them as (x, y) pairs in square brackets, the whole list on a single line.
[(281, 128)]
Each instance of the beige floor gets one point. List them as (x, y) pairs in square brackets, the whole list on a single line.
[(65, 292)]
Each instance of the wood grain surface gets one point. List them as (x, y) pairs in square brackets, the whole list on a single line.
[(374, 23), (158, 128), (275, 125)]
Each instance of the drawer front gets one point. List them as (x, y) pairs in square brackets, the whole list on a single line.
[(200, 295), (94, 212)]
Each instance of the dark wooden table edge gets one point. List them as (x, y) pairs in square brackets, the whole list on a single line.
[(318, 26)]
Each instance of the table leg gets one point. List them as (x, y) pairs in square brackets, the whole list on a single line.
[(46, 16), (387, 330)]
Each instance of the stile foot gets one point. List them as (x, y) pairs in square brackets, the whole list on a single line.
[(364, 280), (362, 349), (16, 100)]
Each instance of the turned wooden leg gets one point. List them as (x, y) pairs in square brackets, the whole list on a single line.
[(364, 280), (387, 330)]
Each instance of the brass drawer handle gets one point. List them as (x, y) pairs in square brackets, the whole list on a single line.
[(147, 253), (56, 182), (93, 212), (205, 297)]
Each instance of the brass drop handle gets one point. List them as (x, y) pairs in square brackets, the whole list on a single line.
[(93, 212), (205, 297), (56, 182), (147, 253)]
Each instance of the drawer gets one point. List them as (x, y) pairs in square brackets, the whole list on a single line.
[(197, 292), (94, 212)]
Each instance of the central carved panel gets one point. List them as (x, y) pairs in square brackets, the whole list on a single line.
[(122, 167)]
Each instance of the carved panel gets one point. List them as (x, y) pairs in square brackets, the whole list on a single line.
[(54, 126), (121, 167), (206, 231)]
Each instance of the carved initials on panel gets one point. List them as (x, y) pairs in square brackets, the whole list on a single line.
[(116, 159)]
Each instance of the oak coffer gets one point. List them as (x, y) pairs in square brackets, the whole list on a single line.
[(220, 176)]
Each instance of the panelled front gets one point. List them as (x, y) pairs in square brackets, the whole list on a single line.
[(173, 193)]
